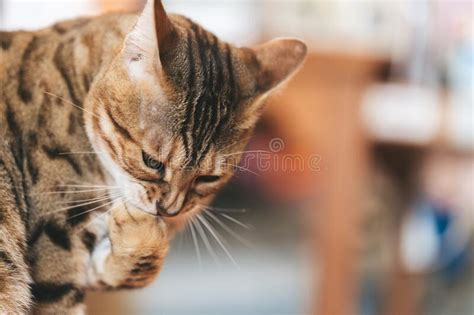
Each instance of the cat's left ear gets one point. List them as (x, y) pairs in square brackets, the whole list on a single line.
[(277, 61), (272, 64), (150, 35)]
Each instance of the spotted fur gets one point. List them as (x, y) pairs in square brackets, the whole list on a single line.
[(114, 131)]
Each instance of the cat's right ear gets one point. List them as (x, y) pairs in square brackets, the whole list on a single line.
[(142, 45)]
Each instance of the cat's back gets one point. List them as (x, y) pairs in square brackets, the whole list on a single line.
[(19, 49), (62, 59), (14, 44)]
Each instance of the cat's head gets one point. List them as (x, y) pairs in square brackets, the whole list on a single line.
[(172, 114)]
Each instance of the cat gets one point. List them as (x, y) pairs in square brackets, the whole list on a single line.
[(114, 132)]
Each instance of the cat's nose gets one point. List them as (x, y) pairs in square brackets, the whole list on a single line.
[(166, 212)]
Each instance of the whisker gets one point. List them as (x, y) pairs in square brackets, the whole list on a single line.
[(75, 202), (100, 215), (244, 152), (94, 219), (71, 103), (181, 237), (234, 143), (69, 191), (228, 229), (231, 210), (90, 186), (205, 239), (228, 217), (90, 210), (78, 202), (79, 152), (240, 168), (195, 241), (186, 232), (75, 206), (218, 238)]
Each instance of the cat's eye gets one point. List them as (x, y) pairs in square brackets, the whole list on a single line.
[(207, 179), (152, 163)]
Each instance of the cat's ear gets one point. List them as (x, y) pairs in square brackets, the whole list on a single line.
[(273, 63), (149, 35), (278, 60)]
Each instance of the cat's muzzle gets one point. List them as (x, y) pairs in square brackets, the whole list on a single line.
[(165, 212)]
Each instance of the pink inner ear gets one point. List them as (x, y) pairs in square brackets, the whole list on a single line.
[(278, 60)]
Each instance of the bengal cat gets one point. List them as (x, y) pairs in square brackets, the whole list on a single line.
[(116, 130)]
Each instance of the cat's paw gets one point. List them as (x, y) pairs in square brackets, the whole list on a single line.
[(134, 232), (133, 254)]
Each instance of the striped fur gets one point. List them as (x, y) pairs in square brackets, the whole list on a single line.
[(81, 104)]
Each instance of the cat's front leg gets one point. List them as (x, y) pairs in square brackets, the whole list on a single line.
[(133, 253)]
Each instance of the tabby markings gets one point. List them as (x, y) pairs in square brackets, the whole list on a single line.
[(89, 240), (32, 144), (5, 40), (9, 179), (59, 58), (79, 214), (50, 292), (23, 84), (58, 235), (118, 127), (207, 105), (55, 153), (5, 258)]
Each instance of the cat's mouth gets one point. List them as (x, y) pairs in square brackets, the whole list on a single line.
[(158, 211), (164, 212)]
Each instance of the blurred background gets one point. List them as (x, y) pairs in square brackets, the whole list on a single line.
[(356, 195)]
